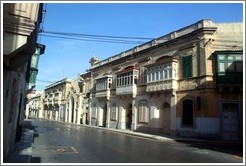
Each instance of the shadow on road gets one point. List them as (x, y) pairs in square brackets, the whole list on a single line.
[(232, 149)]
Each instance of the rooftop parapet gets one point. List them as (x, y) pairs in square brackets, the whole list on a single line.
[(203, 24), (65, 80)]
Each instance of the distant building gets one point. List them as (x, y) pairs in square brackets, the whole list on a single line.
[(62, 101), (186, 83), (34, 105), (20, 29)]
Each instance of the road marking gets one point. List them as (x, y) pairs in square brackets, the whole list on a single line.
[(55, 150), (61, 150), (74, 149)]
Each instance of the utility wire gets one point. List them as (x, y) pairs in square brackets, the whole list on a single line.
[(98, 36), (44, 81), (95, 38)]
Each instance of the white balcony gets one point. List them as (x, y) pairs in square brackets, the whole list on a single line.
[(46, 101), (127, 90), (103, 93), (57, 101), (162, 85)]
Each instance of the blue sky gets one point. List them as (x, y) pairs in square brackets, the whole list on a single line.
[(67, 58)]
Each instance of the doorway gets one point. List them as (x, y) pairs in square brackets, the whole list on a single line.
[(166, 118), (105, 115), (230, 121), (72, 109), (129, 117)]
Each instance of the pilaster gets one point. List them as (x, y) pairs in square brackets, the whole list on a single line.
[(134, 117)]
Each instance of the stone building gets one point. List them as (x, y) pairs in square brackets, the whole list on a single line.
[(187, 83), (62, 101), (34, 105), (20, 30)]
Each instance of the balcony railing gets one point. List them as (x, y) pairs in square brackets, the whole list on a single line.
[(127, 90), (103, 93), (161, 85)]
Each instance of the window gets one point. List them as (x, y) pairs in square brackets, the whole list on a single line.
[(161, 72), (125, 79), (143, 111), (113, 115), (143, 75), (101, 84), (161, 75), (94, 111), (34, 61), (230, 63), (188, 112), (230, 67), (153, 76), (187, 66), (222, 67)]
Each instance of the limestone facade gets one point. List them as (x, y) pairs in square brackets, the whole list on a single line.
[(35, 105), (63, 101), (167, 85)]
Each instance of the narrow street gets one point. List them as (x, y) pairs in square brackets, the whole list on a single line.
[(56, 142)]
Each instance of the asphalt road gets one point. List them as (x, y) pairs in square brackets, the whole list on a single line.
[(60, 143)]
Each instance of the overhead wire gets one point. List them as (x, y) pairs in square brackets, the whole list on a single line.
[(44, 81), (95, 38)]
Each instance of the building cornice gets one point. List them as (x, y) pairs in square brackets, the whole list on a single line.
[(203, 26)]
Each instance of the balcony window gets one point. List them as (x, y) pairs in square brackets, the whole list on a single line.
[(229, 67), (160, 73), (222, 66), (125, 79), (103, 83), (187, 66)]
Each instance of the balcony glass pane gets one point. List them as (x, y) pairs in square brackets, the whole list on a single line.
[(222, 67)]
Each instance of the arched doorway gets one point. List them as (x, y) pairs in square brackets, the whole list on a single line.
[(166, 119)]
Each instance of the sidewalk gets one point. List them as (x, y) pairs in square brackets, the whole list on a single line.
[(22, 152)]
